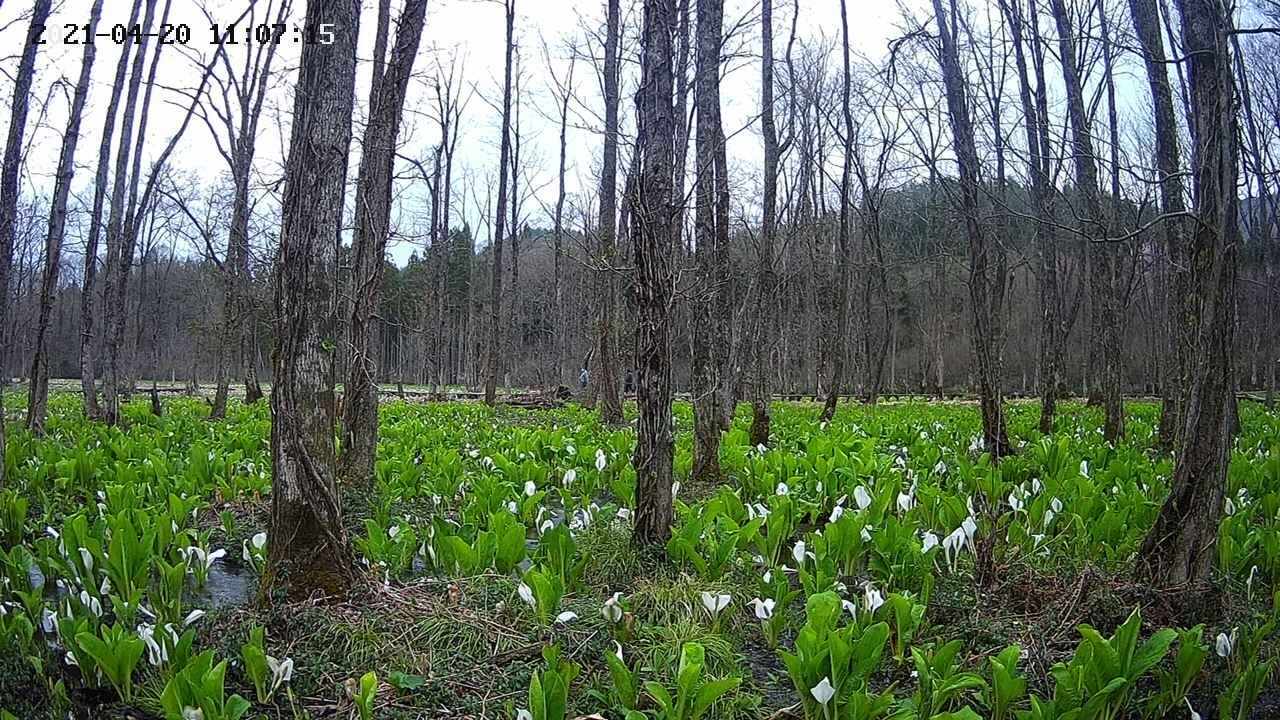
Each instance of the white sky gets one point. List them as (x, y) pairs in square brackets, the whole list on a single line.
[(472, 29)]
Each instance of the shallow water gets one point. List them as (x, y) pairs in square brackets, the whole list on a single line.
[(228, 586)]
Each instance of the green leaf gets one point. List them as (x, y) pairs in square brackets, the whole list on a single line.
[(404, 681), (711, 692)]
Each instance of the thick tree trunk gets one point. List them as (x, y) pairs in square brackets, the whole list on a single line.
[(38, 390), (88, 370), (499, 218), (709, 332), (9, 182), (654, 248), (1179, 550), (308, 550), (606, 376), (373, 214)]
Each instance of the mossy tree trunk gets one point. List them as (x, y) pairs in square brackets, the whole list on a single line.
[(308, 550)]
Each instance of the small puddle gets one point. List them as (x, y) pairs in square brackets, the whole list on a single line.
[(228, 585)]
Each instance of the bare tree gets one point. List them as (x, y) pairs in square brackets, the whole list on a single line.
[(88, 370), (766, 279), (373, 212), (1104, 270), (710, 331), (838, 361), (9, 179), (121, 218), (606, 385), (995, 435), (237, 110), (308, 550), (563, 90), (653, 238), (499, 218), (38, 390), (1179, 550)]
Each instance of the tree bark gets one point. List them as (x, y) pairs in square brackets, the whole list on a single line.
[(1047, 270), (606, 382), (118, 226), (88, 370), (1103, 262), (709, 333), (653, 238), (504, 159), (995, 435), (9, 182), (373, 214), (766, 280), (38, 390), (308, 550), (839, 346), (1179, 550)]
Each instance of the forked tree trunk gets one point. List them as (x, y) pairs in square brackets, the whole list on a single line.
[(1104, 263), (653, 238), (605, 386), (995, 435), (1047, 270), (499, 218), (9, 181), (308, 550), (88, 288), (38, 391), (1179, 550), (709, 332), (373, 214), (118, 226)]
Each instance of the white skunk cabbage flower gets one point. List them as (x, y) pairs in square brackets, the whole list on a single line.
[(715, 604), (823, 692)]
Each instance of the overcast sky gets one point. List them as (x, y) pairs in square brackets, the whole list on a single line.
[(471, 30)]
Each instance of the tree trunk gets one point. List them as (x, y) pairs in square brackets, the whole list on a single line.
[(606, 383), (763, 340), (499, 217), (38, 391), (308, 550), (995, 435), (653, 237), (9, 183), (709, 332), (1103, 262), (118, 226), (1047, 270), (557, 310), (842, 275), (1179, 550), (88, 371), (373, 214)]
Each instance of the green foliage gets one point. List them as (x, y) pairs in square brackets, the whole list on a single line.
[(115, 652), (200, 685), (549, 687), (694, 695)]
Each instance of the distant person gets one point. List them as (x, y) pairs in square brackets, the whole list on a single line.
[(583, 378), (629, 383)]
